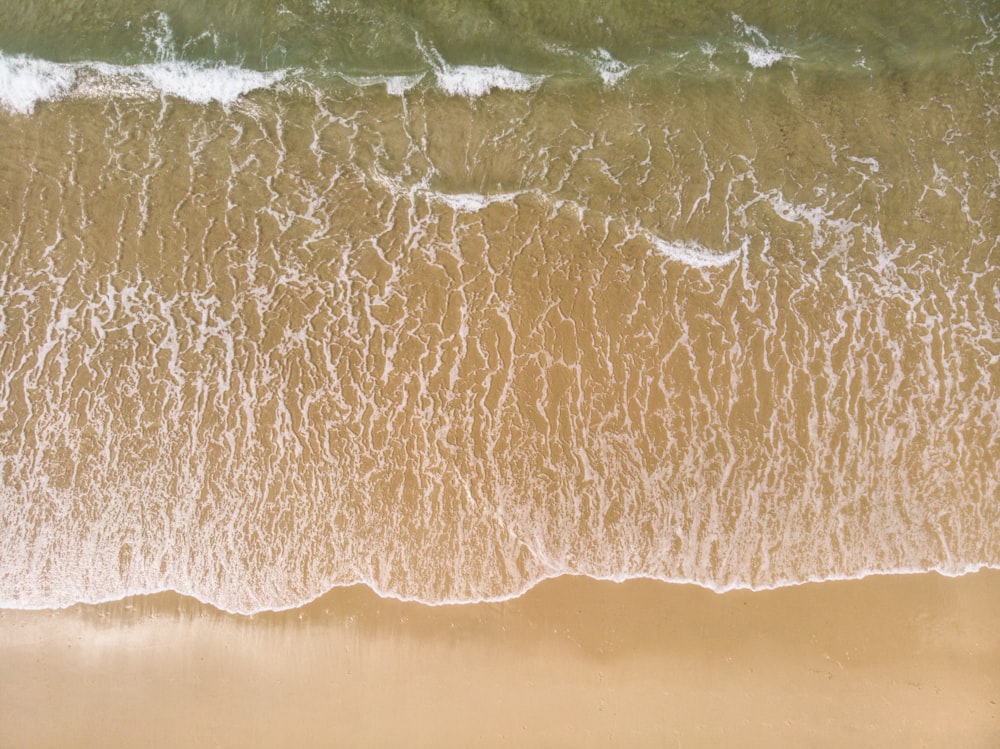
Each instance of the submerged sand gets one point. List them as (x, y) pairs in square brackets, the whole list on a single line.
[(907, 661)]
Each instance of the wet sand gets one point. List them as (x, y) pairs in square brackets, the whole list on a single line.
[(908, 661)]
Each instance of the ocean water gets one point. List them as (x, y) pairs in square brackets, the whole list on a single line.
[(451, 297)]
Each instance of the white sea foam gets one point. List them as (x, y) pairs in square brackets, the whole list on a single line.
[(693, 254), (475, 80), (869, 162), (158, 36), (203, 84), (763, 57), (471, 201), (760, 51), (456, 80), (25, 81), (610, 69)]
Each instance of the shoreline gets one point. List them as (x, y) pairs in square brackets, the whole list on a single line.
[(133, 598), (908, 660)]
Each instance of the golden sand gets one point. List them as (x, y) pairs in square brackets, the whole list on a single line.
[(901, 661)]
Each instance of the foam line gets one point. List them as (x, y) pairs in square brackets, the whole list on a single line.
[(476, 80), (221, 83), (27, 81), (388, 594), (695, 255), (471, 201)]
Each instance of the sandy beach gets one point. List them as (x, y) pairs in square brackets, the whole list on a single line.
[(447, 298), (908, 661)]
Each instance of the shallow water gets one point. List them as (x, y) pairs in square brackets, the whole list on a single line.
[(448, 300)]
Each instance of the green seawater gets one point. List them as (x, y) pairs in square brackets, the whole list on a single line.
[(391, 36)]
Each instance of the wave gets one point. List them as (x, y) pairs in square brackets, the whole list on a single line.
[(610, 69), (476, 80), (26, 81), (223, 83), (225, 51), (760, 51)]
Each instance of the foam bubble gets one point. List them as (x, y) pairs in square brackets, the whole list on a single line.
[(610, 69), (471, 201), (159, 36), (25, 81), (693, 254), (201, 84), (475, 80), (761, 53), (763, 57)]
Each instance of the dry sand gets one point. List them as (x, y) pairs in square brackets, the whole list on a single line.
[(901, 661)]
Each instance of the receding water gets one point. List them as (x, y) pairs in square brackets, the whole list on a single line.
[(448, 298)]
